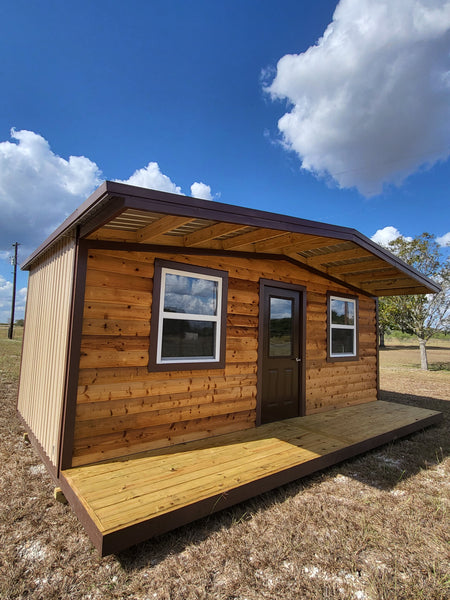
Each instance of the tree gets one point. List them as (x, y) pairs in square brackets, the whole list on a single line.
[(386, 317), (420, 315)]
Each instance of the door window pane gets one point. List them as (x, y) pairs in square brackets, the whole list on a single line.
[(280, 327)]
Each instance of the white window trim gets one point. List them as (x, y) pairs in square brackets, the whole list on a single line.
[(339, 326), (217, 318)]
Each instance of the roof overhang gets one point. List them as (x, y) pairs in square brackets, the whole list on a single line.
[(117, 212)]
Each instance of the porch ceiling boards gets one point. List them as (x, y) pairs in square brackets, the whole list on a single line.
[(125, 501), (344, 260), (138, 216)]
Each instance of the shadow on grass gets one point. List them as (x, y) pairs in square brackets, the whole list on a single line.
[(442, 406), (382, 468), (386, 466)]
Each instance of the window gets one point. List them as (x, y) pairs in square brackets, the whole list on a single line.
[(342, 327), (188, 317)]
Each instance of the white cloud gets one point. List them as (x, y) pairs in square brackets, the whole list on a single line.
[(5, 294), (201, 190), (370, 102), (39, 189), (151, 177), (388, 234), (444, 240), (5, 301)]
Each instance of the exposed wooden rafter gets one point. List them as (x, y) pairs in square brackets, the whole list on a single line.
[(368, 277), (359, 266), (315, 243), (295, 256), (245, 239), (392, 283), (163, 225), (122, 213), (398, 291), (330, 257), (203, 236), (116, 235)]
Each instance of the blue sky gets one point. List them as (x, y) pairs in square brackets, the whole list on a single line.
[(337, 112)]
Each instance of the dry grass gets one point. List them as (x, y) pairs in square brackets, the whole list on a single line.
[(376, 527), (399, 354)]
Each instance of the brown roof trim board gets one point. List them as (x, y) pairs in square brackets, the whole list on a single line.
[(101, 193), (112, 198), (195, 251)]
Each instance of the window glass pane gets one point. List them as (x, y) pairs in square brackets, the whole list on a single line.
[(194, 339), (342, 341), (342, 312), (280, 328), (190, 295)]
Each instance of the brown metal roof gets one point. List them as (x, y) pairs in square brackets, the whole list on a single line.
[(124, 213)]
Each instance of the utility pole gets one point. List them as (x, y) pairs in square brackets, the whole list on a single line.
[(13, 305)]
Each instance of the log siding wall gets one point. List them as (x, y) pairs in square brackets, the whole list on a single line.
[(122, 408), (44, 354)]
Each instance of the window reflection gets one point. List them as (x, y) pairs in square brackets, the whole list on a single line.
[(342, 327), (342, 312), (342, 341), (280, 327), (183, 339), (190, 295)]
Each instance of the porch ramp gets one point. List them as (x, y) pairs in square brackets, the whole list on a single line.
[(125, 501)]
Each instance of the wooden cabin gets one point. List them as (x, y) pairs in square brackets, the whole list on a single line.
[(181, 355)]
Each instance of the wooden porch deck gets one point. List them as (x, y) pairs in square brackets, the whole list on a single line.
[(125, 501)]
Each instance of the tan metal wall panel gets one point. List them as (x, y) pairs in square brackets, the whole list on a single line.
[(42, 379)]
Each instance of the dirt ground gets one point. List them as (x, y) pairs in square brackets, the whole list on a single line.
[(375, 527), (400, 369)]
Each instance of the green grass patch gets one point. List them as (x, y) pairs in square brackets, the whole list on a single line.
[(10, 351), (439, 366), (400, 338)]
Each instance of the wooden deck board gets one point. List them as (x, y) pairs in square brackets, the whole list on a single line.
[(118, 495), (186, 490)]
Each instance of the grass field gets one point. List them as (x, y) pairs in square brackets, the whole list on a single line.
[(375, 527)]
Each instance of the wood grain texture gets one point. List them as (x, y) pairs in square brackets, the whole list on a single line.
[(123, 408), (119, 494)]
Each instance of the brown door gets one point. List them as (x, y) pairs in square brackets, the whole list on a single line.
[(281, 346)]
